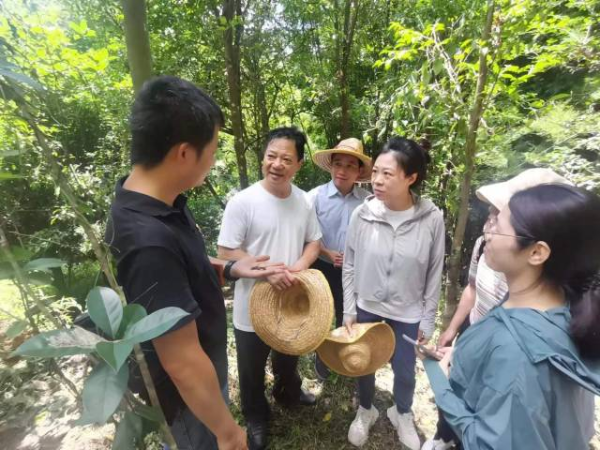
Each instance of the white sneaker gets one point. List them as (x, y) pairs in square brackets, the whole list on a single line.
[(437, 444), (405, 426), (362, 423)]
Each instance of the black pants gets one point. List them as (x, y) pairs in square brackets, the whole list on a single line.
[(334, 278), (252, 354), (444, 430)]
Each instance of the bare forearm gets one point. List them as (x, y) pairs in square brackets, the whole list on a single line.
[(309, 255), (199, 388), (465, 305)]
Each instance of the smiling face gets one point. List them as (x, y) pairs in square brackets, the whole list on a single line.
[(345, 170), (389, 180), (280, 163)]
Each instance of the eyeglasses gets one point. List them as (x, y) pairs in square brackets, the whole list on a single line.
[(509, 235)]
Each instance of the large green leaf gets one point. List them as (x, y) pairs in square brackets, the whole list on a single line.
[(102, 393), (57, 343), (132, 313), (115, 353), (44, 264), (154, 325), (129, 432), (19, 77), (149, 412), (16, 328), (106, 310), (8, 175)]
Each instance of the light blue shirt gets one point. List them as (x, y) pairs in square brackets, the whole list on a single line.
[(334, 211)]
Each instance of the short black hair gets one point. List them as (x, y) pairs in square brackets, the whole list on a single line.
[(291, 133), (168, 111), (410, 156)]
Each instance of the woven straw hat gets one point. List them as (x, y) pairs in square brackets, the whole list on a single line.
[(371, 346), (350, 146), (296, 320)]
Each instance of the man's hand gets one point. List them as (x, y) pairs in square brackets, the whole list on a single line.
[(421, 338), (234, 439), (349, 321), (282, 280), (446, 337), (337, 258), (446, 361), (256, 267)]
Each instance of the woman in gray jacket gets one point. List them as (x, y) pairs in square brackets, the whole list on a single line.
[(392, 272)]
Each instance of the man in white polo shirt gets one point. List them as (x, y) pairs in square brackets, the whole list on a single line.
[(270, 217)]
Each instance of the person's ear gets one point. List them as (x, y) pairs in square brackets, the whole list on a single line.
[(412, 178), (539, 253), (187, 153)]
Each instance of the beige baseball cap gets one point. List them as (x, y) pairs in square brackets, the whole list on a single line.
[(499, 194)]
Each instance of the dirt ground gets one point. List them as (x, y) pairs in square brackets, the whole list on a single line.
[(44, 418)]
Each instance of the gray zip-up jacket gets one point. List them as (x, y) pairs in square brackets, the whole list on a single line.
[(396, 274)]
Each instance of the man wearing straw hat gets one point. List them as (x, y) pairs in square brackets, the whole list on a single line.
[(334, 203), (270, 216)]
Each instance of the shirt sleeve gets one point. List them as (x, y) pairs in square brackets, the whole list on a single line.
[(155, 277), (433, 284), (313, 230), (475, 261), (233, 226), (500, 420), (348, 266)]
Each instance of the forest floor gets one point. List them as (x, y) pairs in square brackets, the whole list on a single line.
[(37, 411)]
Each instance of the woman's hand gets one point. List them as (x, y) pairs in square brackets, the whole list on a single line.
[(446, 361), (349, 321)]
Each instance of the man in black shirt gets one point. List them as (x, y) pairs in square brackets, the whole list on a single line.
[(162, 261)]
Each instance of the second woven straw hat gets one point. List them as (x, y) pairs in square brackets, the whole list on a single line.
[(296, 320), (350, 146), (370, 347)]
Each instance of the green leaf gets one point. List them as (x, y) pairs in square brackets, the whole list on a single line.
[(8, 175), (106, 310), (154, 325), (114, 353), (58, 343), (102, 393), (131, 314), (149, 412), (43, 264), (16, 328), (20, 78), (129, 432)]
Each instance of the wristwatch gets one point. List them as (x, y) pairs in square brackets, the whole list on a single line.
[(227, 271)]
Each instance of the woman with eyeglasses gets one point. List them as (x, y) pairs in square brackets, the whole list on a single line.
[(519, 378)]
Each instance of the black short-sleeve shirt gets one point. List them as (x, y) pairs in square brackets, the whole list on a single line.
[(161, 261)]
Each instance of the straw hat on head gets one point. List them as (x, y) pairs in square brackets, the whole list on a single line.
[(296, 320), (499, 194), (350, 146), (371, 346)]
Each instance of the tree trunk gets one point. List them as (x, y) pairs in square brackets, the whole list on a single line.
[(350, 18), (454, 263), (137, 41), (232, 12)]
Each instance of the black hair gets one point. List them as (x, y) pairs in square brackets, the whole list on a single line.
[(568, 220), (168, 111), (291, 133), (410, 156)]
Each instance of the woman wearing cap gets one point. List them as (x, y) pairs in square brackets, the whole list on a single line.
[(518, 375), (392, 272), (334, 203)]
